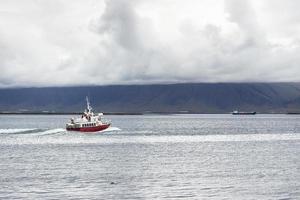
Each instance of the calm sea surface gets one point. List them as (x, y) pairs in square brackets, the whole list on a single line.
[(151, 157)]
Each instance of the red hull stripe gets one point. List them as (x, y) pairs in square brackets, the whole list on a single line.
[(90, 129)]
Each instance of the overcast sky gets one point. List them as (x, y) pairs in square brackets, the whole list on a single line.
[(83, 42)]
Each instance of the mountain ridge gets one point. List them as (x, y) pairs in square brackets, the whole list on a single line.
[(181, 97)]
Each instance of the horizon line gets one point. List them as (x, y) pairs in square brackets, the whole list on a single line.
[(147, 84)]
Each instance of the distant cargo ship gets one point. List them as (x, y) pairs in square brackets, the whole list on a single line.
[(293, 113), (236, 112)]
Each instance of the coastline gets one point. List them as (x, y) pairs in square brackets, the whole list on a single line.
[(63, 113), (123, 113)]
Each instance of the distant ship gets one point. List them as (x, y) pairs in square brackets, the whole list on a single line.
[(236, 112), (293, 113), (89, 122)]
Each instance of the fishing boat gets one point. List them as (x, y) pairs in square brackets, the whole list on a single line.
[(88, 122), (236, 112)]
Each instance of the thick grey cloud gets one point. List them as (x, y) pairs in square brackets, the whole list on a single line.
[(45, 43)]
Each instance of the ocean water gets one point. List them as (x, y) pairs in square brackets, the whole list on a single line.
[(151, 157)]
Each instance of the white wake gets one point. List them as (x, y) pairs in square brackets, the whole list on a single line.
[(16, 130), (50, 132)]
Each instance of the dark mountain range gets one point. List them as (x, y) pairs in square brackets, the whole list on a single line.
[(193, 98)]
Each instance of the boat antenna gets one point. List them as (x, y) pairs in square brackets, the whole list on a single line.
[(88, 104)]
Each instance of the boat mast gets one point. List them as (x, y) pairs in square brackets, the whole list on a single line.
[(89, 108)]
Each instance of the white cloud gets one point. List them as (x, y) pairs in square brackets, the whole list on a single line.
[(44, 43)]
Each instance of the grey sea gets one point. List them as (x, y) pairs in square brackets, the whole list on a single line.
[(151, 157)]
